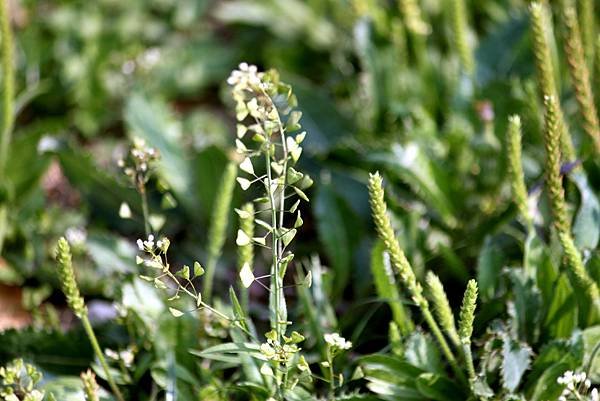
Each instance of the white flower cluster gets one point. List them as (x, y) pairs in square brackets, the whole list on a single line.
[(141, 159), (76, 236), (149, 245), (126, 356), (575, 383), (246, 76), (334, 340)]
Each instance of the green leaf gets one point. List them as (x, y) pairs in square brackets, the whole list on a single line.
[(561, 317), (586, 227), (439, 388), (390, 377), (412, 165), (489, 265), (387, 288), (151, 120), (591, 340), (238, 312), (546, 387), (421, 351), (335, 221), (528, 308), (516, 359), (229, 352)]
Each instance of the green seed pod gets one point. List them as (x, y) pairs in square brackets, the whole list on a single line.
[(67, 278), (246, 252)]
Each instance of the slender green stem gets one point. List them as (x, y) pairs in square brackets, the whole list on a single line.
[(437, 333), (9, 85), (7, 106), (469, 360), (331, 378), (145, 213), (94, 341)]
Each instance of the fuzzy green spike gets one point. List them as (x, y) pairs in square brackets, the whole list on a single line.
[(552, 167), (416, 28), (246, 252), (460, 32), (579, 275), (545, 71), (218, 227), (596, 70), (465, 326), (8, 106), (8, 90), (580, 75), (442, 307), (588, 28), (467, 312), (517, 178), (386, 233), (66, 276), (399, 261)]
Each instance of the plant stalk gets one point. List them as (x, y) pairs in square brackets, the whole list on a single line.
[(94, 341)]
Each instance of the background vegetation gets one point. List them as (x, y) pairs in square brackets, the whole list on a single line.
[(420, 91)]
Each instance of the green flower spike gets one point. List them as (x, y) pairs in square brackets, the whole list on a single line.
[(399, 261), (465, 325), (442, 307), (545, 71), (517, 179)]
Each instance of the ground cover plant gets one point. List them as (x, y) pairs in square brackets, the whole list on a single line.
[(299, 200)]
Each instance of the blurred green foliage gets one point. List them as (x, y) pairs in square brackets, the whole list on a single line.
[(379, 90)]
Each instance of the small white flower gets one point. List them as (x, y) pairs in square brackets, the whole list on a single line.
[(140, 245), (127, 357), (336, 341), (111, 354), (76, 236), (46, 144), (128, 67), (594, 395)]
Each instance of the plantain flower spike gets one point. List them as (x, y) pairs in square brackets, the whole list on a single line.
[(467, 312), (517, 178), (545, 71), (580, 276), (386, 233), (67, 278), (442, 307), (580, 74)]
